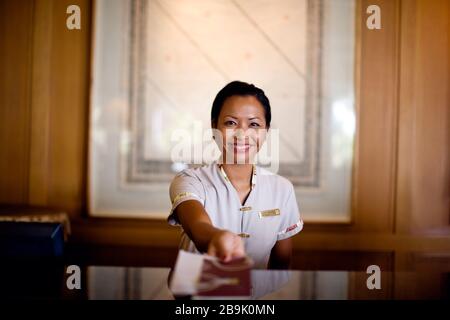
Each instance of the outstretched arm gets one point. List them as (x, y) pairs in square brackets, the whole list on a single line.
[(207, 238)]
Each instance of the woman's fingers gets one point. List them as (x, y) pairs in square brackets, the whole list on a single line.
[(211, 250), (226, 246), (239, 251)]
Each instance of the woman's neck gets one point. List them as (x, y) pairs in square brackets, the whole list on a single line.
[(239, 173)]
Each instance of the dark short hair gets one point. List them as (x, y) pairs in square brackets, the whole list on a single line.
[(239, 88)]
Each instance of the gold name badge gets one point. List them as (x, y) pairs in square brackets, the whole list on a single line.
[(269, 213)]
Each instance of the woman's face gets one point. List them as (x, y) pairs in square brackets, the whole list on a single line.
[(242, 125)]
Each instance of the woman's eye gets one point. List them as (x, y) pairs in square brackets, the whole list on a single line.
[(255, 124), (230, 123)]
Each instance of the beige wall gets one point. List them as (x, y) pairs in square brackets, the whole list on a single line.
[(401, 172)]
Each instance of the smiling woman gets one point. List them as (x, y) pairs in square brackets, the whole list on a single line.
[(232, 207)]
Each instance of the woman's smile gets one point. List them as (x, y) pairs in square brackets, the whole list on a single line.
[(241, 146)]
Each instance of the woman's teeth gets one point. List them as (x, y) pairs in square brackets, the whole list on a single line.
[(241, 147)]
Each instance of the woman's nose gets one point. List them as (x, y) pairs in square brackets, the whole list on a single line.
[(239, 133), (241, 137)]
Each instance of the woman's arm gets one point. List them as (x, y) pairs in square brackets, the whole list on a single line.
[(207, 238), (280, 256)]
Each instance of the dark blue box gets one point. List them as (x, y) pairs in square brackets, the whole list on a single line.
[(31, 239)]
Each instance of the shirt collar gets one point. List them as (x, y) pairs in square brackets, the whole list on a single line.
[(253, 178)]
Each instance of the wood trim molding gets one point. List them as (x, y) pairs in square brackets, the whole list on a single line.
[(115, 231)]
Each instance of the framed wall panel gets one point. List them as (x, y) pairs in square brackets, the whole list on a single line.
[(159, 63)]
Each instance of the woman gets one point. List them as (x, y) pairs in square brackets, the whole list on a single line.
[(232, 207)]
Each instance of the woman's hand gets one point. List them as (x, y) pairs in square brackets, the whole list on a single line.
[(216, 242), (226, 245)]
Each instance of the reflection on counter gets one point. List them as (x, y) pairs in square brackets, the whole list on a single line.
[(404, 275), (122, 283)]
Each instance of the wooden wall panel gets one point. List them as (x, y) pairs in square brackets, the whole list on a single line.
[(44, 93), (41, 93), (377, 95), (423, 198), (16, 25), (70, 59)]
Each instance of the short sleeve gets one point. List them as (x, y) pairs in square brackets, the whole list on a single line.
[(291, 222), (184, 187)]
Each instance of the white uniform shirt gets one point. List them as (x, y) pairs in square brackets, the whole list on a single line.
[(270, 212)]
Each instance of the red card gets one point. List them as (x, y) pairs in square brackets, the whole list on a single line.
[(225, 279)]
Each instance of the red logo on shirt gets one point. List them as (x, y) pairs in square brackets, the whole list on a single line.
[(291, 228)]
